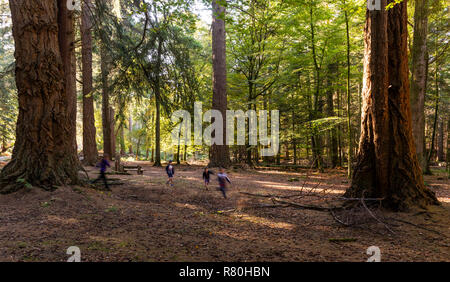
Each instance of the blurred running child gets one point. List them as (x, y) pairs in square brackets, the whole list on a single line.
[(170, 170), (103, 164), (223, 179), (206, 177)]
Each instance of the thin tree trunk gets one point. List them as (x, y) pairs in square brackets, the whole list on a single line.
[(138, 147), (157, 161), (440, 143), (112, 123), (436, 111), (332, 69), (349, 125), (106, 117), (294, 139), (122, 141), (448, 147), (317, 107), (130, 131)]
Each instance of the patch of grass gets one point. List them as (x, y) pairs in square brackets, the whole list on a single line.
[(21, 245), (29, 258), (199, 213), (123, 244), (77, 190), (112, 209), (25, 184), (97, 246)]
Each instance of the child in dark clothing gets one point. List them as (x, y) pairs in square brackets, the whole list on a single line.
[(206, 177), (223, 179), (170, 170), (103, 164)]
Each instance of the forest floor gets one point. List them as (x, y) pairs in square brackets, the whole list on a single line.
[(146, 220)]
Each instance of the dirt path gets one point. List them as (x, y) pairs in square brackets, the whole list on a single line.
[(145, 220)]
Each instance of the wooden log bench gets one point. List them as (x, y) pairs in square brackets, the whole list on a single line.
[(136, 168)]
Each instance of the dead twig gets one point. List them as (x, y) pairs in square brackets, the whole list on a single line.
[(419, 226), (308, 207), (372, 215)]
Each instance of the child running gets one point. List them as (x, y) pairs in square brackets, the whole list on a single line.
[(170, 170), (223, 179), (103, 164), (206, 177)]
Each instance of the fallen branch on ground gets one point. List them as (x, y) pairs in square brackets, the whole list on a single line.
[(371, 214), (418, 226)]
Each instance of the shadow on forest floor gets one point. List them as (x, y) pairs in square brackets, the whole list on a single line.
[(146, 220)]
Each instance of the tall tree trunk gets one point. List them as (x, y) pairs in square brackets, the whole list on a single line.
[(157, 161), (448, 148), (317, 108), (106, 116), (122, 140), (220, 155), (130, 131), (138, 148), (112, 124), (90, 152), (157, 89), (387, 166), (332, 70), (436, 111), (440, 143), (419, 61), (349, 125), (43, 35), (293, 138)]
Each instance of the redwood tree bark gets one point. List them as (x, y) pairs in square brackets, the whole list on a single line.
[(66, 37), (90, 152), (387, 165), (44, 154), (220, 155), (419, 61)]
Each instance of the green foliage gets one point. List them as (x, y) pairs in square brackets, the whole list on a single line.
[(8, 92)]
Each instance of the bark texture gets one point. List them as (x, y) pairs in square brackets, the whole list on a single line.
[(90, 152), (106, 115), (220, 155), (387, 165), (44, 154), (419, 60)]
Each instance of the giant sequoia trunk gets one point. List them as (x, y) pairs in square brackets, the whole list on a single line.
[(387, 165), (419, 61), (90, 152), (220, 155), (44, 154)]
